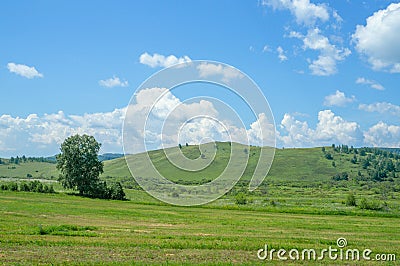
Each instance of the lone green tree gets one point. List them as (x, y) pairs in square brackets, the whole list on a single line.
[(79, 165)]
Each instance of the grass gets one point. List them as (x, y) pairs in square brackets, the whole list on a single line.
[(89, 231), (297, 206)]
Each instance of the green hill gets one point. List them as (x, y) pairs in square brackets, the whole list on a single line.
[(309, 180), (298, 167)]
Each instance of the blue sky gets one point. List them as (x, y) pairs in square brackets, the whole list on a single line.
[(329, 69)]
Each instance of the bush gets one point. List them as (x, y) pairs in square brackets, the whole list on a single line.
[(370, 205), (12, 186), (241, 199), (328, 156), (351, 200), (24, 187), (3, 187), (116, 192)]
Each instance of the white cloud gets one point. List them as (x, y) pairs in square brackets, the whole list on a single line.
[(338, 99), (306, 13), (373, 84), (328, 56), (157, 60), (113, 82), (379, 40), (42, 135), (383, 135), (329, 129), (266, 49), (227, 73), (381, 107), (24, 71), (281, 54)]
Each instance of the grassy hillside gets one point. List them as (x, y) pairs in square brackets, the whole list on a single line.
[(300, 180)]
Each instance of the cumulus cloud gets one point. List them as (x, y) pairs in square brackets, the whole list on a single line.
[(378, 40), (24, 71), (329, 129), (39, 135), (42, 135), (329, 54), (338, 99), (383, 135), (157, 60), (113, 82), (306, 13), (373, 84), (381, 107), (227, 73), (281, 54)]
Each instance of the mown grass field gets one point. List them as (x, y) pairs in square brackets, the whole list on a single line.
[(59, 228)]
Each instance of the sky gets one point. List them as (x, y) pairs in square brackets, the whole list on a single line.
[(329, 69)]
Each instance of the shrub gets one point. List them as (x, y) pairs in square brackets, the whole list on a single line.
[(328, 156), (370, 205), (241, 199), (24, 187), (116, 192), (12, 186), (351, 200)]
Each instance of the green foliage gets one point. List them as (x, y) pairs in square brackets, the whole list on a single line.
[(31, 186), (12, 186), (328, 156), (370, 205), (116, 192), (341, 176), (351, 200), (79, 165), (241, 199)]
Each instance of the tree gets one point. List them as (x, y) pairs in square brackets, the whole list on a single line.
[(79, 165)]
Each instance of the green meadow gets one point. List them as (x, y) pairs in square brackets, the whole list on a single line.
[(302, 204)]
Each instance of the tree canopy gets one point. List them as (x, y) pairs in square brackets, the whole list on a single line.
[(79, 165)]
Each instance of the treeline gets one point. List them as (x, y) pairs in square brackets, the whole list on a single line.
[(31, 186), (24, 159), (380, 165)]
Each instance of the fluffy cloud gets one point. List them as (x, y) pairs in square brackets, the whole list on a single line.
[(329, 54), (24, 71), (306, 13), (383, 135), (113, 82), (329, 129), (227, 73), (42, 135), (157, 60), (381, 107), (281, 54), (373, 84), (378, 40), (168, 121), (338, 99)]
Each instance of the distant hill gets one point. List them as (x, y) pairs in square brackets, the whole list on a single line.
[(394, 150), (109, 156), (295, 167), (102, 157)]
